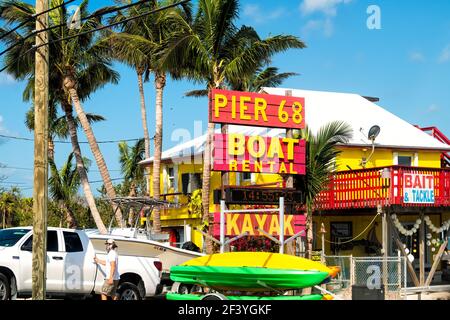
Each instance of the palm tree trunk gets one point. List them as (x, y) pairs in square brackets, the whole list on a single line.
[(160, 82), (144, 124), (51, 148), (101, 164), (4, 219), (70, 217), (206, 182), (81, 169), (144, 115)]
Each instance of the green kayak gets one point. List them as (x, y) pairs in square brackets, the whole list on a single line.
[(248, 278), (178, 296)]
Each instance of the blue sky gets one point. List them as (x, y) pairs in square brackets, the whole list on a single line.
[(406, 64)]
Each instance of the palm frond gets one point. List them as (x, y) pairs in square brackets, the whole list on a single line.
[(197, 93)]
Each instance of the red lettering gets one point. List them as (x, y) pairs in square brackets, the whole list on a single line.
[(408, 180)]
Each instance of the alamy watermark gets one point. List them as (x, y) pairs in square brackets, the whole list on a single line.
[(74, 19), (374, 19)]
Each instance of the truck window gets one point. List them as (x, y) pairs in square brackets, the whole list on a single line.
[(52, 242), (9, 237), (72, 242)]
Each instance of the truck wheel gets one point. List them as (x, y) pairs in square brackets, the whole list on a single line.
[(5, 290), (129, 291)]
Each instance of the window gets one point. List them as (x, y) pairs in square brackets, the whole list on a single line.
[(405, 161), (246, 176), (72, 242), (171, 175), (52, 242), (9, 237), (191, 182), (340, 232)]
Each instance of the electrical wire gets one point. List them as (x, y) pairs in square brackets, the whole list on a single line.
[(98, 181), (68, 142), (35, 47), (32, 17), (348, 241), (95, 15), (2, 166)]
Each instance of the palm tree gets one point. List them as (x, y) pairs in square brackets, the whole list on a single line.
[(63, 185), (125, 46), (77, 70), (133, 173), (5, 207), (139, 45), (213, 50), (321, 154), (9, 201), (57, 125), (268, 77)]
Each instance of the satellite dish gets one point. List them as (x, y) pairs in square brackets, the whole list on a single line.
[(374, 132)]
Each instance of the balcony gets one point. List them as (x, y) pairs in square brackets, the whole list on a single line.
[(368, 188)]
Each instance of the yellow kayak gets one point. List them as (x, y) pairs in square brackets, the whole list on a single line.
[(258, 259)]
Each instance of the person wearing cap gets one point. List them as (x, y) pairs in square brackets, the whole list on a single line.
[(112, 274)]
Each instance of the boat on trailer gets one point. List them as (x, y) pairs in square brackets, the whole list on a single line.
[(138, 240), (250, 276)]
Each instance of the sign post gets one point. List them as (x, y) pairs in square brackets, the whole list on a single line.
[(255, 154), (281, 225), (281, 232)]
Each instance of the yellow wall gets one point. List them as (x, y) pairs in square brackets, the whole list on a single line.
[(360, 224), (383, 157), (349, 156)]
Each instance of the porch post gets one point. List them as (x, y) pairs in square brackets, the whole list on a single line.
[(384, 230), (409, 265), (222, 226), (422, 249), (322, 233)]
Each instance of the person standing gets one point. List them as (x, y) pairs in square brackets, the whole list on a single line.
[(111, 263)]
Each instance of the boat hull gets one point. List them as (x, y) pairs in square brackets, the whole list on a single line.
[(247, 278)]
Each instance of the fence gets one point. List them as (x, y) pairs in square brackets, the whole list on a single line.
[(370, 273), (368, 188)]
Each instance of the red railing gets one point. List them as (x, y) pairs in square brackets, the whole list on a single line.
[(437, 134), (369, 188)]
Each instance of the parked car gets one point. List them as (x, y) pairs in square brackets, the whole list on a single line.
[(71, 271)]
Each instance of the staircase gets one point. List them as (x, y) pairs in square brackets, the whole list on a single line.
[(437, 134)]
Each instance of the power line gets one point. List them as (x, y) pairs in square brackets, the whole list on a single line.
[(15, 168), (68, 142), (33, 17), (34, 47), (101, 13), (108, 11), (98, 181), (11, 182), (31, 169), (112, 25)]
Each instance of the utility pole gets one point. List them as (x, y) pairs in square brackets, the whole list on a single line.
[(40, 192)]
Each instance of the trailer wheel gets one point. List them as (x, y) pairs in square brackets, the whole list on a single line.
[(181, 288), (214, 296)]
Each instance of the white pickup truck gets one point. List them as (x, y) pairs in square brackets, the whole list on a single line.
[(71, 271)]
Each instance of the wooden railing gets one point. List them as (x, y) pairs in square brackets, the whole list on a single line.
[(369, 188)]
